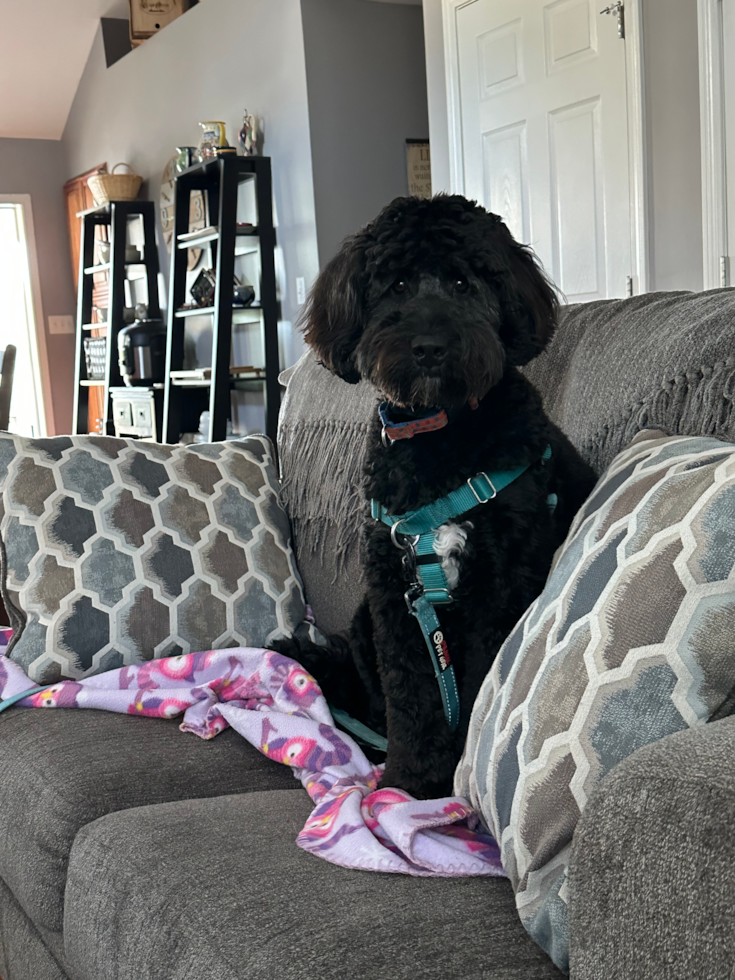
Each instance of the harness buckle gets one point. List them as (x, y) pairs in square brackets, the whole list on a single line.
[(414, 592), (478, 498)]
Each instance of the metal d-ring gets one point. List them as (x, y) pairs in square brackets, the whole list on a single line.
[(394, 531)]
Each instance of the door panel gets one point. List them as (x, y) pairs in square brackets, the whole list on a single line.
[(578, 221), (505, 169), (570, 34), (544, 134)]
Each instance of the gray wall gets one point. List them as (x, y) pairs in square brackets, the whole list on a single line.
[(366, 77), (38, 168), (218, 58), (672, 109)]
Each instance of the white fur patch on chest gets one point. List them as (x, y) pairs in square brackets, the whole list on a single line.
[(450, 540)]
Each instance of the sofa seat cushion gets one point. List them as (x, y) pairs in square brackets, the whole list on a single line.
[(219, 888), (60, 770), (23, 954)]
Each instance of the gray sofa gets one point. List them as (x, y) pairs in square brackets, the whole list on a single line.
[(130, 851)]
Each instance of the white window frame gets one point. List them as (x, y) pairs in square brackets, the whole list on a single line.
[(37, 337), (637, 148)]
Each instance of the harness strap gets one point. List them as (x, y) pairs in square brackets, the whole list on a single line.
[(429, 586), (429, 571), (479, 489)]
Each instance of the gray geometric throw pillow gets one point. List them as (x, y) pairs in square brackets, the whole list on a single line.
[(632, 639), (117, 551)]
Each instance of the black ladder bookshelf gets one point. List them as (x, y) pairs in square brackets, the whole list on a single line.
[(190, 392), (115, 218)]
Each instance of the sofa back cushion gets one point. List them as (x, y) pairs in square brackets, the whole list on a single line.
[(660, 360), (117, 551), (655, 361), (630, 641)]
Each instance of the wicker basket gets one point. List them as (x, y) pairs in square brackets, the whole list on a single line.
[(95, 356), (115, 187)]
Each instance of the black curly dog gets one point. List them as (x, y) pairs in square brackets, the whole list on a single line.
[(437, 305)]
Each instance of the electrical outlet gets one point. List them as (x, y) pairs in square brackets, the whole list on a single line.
[(300, 290), (61, 324)]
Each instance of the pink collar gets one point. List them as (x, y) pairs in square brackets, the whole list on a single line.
[(392, 431)]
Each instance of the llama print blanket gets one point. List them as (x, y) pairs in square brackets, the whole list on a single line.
[(273, 703)]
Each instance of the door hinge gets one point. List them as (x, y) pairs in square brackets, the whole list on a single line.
[(617, 10), (724, 270), (629, 285)]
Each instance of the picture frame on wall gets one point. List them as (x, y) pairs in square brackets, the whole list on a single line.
[(418, 165), (147, 17)]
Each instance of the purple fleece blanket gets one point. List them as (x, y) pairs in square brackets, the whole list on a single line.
[(273, 703)]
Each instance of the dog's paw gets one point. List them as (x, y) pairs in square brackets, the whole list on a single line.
[(287, 648)]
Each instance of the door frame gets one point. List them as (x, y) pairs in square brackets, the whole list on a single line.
[(37, 337), (714, 159), (637, 144)]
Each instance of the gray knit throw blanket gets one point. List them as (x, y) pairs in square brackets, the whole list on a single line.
[(657, 361)]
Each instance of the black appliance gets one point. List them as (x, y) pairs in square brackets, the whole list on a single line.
[(142, 352)]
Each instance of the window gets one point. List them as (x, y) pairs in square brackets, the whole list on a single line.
[(19, 312)]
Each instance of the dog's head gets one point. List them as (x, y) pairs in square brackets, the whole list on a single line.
[(430, 302)]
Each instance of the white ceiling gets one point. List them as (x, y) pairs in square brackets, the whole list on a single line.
[(44, 46)]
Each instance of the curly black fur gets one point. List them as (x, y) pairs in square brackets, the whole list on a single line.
[(436, 304)]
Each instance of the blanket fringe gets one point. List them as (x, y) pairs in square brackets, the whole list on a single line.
[(328, 454), (698, 403)]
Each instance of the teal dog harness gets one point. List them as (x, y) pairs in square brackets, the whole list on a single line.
[(414, 533)]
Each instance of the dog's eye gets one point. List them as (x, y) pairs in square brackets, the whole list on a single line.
[(399, 286), (460, 285)]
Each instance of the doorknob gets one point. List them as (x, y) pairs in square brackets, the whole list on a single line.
[(618, 10)]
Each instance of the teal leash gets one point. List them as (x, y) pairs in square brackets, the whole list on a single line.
[(9, 702), (361, 732)]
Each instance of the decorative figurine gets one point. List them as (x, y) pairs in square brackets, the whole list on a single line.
[(213, 136), (185, 157), (248, 135)]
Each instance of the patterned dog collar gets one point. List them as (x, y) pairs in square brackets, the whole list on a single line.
[(393, 431), (437, 419)]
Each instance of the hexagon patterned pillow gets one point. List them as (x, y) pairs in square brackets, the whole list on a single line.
[(630, 641), (117, 551)]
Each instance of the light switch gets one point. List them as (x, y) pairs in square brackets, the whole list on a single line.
[(61, 324)]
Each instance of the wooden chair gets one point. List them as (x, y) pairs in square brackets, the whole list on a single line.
[(6, 385)]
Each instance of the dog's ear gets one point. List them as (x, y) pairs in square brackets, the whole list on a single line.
[(333, 318), (529, 304)]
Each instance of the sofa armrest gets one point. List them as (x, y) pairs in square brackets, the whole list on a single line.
[(652, 874)]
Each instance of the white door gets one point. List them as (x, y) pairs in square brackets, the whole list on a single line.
[(544, 134), (727, 272), (717, 118)]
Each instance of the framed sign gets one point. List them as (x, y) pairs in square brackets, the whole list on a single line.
[(418, 163), (147, 17)]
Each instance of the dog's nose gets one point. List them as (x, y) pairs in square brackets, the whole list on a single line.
[(428, 351)]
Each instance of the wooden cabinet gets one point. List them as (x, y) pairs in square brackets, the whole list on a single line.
[(78, 197)]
